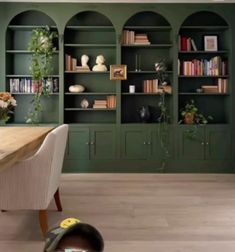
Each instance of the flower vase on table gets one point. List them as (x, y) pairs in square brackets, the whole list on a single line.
[(7, 104)]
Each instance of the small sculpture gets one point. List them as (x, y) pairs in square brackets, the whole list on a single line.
[(76, 88), (84, 103), (144, 114), (99, 67), (84, 61)]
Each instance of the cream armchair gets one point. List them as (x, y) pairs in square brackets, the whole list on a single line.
[(31, 184)]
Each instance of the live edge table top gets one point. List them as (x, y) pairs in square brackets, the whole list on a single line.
[(19, 143)]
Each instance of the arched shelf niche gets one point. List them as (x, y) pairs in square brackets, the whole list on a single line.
[(204, 44), (146, 40), (88, 33), (18, 60)]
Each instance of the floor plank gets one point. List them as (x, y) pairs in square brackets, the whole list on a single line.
[(138, 212)]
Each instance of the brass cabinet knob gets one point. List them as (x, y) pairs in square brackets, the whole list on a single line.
[(149, 143), (202, 143), (144, 143), (92, 143), (207, 143), (87, 143)]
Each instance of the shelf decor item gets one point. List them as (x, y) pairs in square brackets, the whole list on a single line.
[(210, 43), (99, 67), (76, 88), (42, 48), (118, 72), (7, 104), (191, 115)]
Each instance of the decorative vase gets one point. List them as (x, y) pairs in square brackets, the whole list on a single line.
[(144, 114), (189, 118)]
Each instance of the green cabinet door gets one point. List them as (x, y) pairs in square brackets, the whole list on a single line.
[(103, 142), (78, 144), (160, 141), (218, 142), (134, 143), (191, 143)]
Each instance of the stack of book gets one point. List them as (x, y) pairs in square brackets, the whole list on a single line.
[(141, 39), (99, 104), (187, 44), (151, 86), (221, 87), (130, 38), (71, 64), (111, 101), (212, 67)]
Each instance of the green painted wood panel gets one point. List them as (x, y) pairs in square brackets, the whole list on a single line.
[(78, 144), (102, 142), (218, 142), (134, 143), (191, 143)]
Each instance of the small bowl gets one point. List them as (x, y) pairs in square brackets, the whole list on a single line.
[(199, 90)]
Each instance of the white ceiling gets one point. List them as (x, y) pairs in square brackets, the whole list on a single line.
[(125, 1)]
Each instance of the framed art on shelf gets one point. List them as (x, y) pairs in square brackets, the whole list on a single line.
[(118, 72), (210, 43)]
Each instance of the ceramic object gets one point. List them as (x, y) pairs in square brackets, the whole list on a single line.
[(144, 114), (76, 89), (99, 67), (84, 103), (131, 89)]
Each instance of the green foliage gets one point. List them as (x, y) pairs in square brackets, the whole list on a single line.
[(198, 118), (41, 46)]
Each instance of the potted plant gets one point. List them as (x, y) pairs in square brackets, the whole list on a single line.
[(41, 46), (191, 115)]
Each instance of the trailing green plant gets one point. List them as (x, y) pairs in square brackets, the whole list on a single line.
[(41, 46), (163, 129)]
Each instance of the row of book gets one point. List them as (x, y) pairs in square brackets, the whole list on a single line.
[(27, 85), (213, 67), (221, 87), (187, 44), (110, 102), (130, 38), (71, 64), (152, 86)]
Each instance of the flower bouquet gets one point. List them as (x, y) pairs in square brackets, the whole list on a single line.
[(7, 104)]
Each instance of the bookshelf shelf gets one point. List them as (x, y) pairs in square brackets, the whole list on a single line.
[(148, 46), (90, 27), (205, 94), (91, 93), (143, 94), (89, 109), (148, 28), (28, 27), (90, 45), (147, 72), (28, 76), (203, 76), (24, 51), (206, 27), (33, 94), (86, 72), (204, 52)]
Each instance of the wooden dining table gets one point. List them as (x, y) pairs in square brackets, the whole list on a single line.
[(19, 143)]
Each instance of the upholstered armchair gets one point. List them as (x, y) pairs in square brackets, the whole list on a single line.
[(31, 184)]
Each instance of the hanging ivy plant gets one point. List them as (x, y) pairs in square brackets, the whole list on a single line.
[(41, 46)]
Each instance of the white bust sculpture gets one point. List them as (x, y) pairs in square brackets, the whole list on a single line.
[(84, 61), (99, 67)]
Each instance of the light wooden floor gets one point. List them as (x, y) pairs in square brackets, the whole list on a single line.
[(138, 212)]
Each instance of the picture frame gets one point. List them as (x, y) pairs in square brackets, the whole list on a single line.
[(211, 43), (118, 72)]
